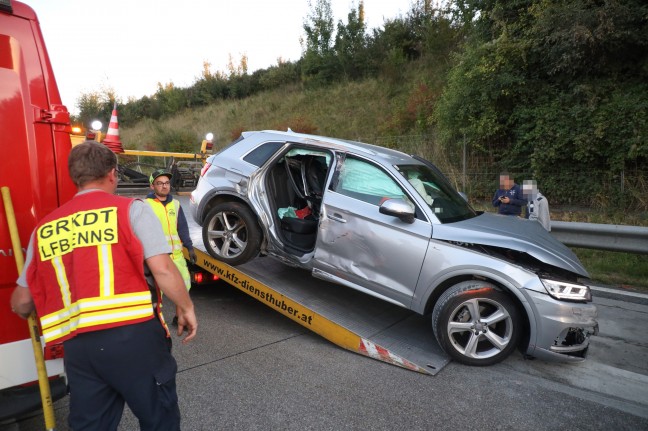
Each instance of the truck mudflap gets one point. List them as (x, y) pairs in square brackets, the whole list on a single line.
[(350, 319)]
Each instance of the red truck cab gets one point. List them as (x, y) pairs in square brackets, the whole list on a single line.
[(34, 146)]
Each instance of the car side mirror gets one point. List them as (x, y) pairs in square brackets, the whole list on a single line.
[(398, 208)]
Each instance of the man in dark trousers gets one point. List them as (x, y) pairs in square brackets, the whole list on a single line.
[(508, 199), (174, 223), (93, 272)]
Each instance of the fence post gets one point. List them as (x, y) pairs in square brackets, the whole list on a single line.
[(464, 163)]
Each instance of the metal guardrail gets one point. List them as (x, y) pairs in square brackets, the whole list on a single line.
[(630, 239)]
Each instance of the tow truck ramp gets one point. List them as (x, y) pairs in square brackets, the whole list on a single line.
[(352, 320)]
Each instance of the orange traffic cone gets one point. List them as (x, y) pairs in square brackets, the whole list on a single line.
[(112, 136)]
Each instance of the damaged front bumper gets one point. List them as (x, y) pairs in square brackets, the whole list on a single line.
[(562, 329)]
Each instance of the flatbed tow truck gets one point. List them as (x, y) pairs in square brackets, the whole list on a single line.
[(348, 318)]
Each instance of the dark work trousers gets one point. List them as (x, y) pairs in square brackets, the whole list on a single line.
[(131, 364)]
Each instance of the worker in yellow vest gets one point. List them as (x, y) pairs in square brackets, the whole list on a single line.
[(174, 223)]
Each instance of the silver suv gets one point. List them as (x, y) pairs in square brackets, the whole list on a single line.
[(392, 226)]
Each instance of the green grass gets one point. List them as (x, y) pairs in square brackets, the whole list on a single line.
[(346, 110), (617, 269)]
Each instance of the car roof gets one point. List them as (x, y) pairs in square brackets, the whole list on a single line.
[(388, 156)]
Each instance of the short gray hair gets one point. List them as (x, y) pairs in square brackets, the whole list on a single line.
[(90, 161)]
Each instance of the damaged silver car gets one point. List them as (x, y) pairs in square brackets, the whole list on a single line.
[(392, 226)]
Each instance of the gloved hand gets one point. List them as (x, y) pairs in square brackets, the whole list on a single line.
[(192, 257)]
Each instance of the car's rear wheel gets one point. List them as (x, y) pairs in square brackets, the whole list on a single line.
[(476, 324), (231, 233)]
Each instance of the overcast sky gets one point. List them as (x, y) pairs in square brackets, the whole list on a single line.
[(131, 45)]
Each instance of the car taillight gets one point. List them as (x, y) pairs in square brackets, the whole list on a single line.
[(198, 277), (205, 169)]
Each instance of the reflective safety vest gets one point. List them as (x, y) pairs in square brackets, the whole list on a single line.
[(87, 271), (168, 216)]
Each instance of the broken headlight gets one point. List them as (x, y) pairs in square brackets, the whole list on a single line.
[(567, 291)]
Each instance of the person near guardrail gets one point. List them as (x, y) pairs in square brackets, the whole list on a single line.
[(508, 199), (93, 273), (537, 204), (174, 223)]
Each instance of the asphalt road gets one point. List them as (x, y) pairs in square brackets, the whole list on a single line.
[(251, 368)]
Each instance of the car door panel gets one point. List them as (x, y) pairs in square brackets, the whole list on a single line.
[(374, 251)]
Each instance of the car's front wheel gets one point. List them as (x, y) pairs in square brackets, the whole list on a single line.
[(231, 233), (476, 324)]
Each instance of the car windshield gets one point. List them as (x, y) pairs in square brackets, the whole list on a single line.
[(448, 205)]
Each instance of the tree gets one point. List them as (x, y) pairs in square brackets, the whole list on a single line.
[(170, 99), (96, 105), (351, 44), (553, 88), (318, 59)]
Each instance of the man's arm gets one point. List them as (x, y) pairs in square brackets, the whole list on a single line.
[(148, 229), (170, 281), (518, 198), (185, 237), (183, 230), (21, 301), (544, 217), (496, 199)]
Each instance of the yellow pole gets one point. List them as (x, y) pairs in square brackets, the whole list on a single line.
[(43, 381)]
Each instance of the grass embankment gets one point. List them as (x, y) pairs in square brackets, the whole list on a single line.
[(351, 110), (363, 110), (625, 270)]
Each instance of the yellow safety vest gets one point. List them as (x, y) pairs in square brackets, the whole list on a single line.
[(168, 216)]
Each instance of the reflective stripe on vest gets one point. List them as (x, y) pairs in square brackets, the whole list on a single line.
[(93, 311), (168, 216)]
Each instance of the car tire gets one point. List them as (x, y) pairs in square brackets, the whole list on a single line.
[(476, 324), (231, 233)]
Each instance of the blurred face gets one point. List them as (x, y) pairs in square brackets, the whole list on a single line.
[(505, 182), (161, 186), (529, 189)]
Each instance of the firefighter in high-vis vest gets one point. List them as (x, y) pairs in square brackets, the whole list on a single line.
[(93, 272), (174, 223)]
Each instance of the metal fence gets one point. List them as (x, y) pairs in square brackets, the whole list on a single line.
[(476, 173)]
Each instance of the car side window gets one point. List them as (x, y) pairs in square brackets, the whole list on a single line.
[(367, 182), (262, 153)]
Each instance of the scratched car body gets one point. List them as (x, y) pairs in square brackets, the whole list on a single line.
[(391, 225)]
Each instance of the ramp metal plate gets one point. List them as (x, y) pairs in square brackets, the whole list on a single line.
[(351, 319), (403, 332)]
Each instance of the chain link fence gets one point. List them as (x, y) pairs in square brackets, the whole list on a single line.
[(477, 174)]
